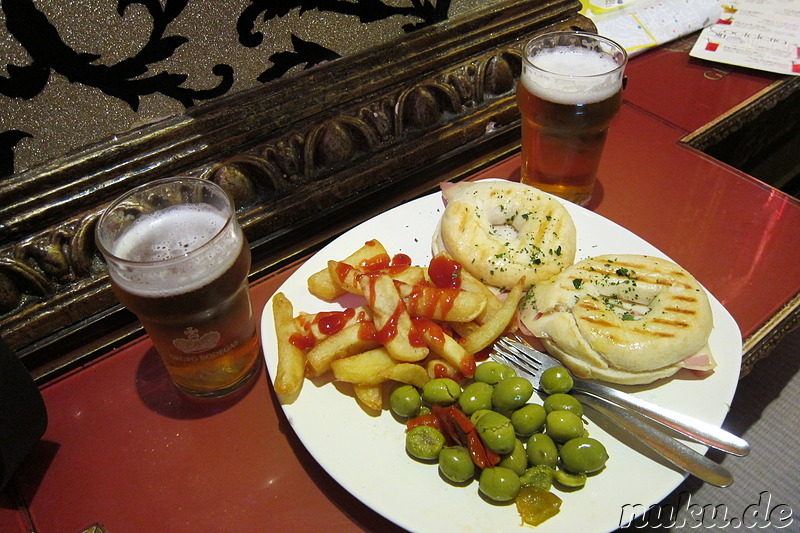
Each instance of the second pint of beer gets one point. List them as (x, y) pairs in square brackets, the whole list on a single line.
[(178, 259), (569, 90)]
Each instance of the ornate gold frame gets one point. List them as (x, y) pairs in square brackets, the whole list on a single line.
[(304, 158)]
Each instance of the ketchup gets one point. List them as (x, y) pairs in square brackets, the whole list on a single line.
[(445, 272), (332, 322)]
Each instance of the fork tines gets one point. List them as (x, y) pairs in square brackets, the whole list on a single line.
[(514, 355)]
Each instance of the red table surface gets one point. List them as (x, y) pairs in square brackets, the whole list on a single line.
[(124, 449), (687, 92)]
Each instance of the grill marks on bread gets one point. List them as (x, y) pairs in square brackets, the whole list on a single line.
[(502, 231), (630, 314)]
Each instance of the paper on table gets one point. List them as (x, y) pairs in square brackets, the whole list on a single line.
[(759, 34), (603, 6), (643, 24)]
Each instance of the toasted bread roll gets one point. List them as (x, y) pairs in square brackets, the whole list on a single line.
[(621, 318), (503, 231)]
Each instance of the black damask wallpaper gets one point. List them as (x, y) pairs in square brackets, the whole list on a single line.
[(76, 71)]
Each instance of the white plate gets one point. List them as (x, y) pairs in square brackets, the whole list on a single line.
[(366, 454)]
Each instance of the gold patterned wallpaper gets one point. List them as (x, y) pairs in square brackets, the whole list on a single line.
[(76, 71)]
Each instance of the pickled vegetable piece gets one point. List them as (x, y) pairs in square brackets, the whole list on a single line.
[(568, 479), (536, 505), (540, 476)]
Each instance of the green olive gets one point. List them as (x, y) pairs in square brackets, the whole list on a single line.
[(441, 391), (456, 464), (477, 395), (542, 450), (511, 393), (496, 432), (563, 426), (583, 455), (474, 417), (517, 459), (405, 401), (492, 372), (528, 419), (560, 401), (499, 484), (568, 479), (424, 442), (539, 476), (556, 379)]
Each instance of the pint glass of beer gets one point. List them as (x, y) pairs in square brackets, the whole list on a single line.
[(178, 259), (569, 90)]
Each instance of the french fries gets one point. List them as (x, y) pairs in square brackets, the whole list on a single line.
[(363, 368), (291, 359), (345, 343), (446, 347), (406, 373), (451, 305), (322, 285), (391, 317), (485, 335), (408, 330), (493, 304), (370, 395)]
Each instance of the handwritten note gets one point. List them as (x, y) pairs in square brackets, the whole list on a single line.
[(759, 34)]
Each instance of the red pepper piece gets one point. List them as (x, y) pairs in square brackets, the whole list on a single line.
[(482, 456), (458, 427), (448, 428), (425, 420), (463, 421)]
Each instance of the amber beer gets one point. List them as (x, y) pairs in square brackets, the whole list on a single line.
[(178, 259), (569, 91)]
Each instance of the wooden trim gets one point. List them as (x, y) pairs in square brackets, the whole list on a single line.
[(742, 115), (770, 334)]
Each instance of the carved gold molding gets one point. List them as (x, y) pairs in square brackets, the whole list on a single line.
[(298, 156)]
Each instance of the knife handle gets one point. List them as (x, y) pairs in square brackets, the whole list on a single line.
[(670, 449)]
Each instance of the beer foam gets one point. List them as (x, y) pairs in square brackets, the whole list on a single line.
[(571, 75), (160, 243)]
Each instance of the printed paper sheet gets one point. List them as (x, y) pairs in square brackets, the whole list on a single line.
[(759, 34), (641, 24)]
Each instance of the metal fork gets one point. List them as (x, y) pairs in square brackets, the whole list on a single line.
[(617, 407)]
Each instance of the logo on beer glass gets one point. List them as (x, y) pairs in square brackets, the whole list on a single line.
[(194, 343)]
